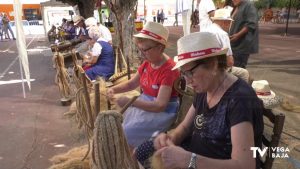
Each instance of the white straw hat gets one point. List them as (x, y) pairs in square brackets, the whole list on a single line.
[(264, 92), (91, 21), (222, 14), (197, 46), (154, 31), (77, 19)]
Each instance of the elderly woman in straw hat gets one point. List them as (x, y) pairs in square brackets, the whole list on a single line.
[(156, 107), (225, 119), (100, 60)]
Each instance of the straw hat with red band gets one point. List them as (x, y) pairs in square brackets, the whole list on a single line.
[(77, 19), (195, 46), (154, 31), (264, 92)]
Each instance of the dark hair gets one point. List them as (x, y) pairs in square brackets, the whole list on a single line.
[(221, 59)]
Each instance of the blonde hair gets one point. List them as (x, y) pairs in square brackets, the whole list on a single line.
[(94, 33)]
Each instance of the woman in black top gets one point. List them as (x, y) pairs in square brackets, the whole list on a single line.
[(225, 119)]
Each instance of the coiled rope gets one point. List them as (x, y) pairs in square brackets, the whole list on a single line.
[(110, 148)]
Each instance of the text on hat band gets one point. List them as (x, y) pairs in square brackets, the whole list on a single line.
[(153, 35), (198, 53), (263, 93)]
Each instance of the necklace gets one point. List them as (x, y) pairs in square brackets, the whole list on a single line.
[(215, 91), (199, 121)]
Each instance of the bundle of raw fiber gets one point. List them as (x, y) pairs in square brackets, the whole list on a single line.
[(286, 105), (110, 149), (62, 78), (83, 116), (156, 162), (71, 160)]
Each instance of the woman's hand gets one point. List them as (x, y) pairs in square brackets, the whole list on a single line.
[(174, 157), (162, 140), (110, 93)]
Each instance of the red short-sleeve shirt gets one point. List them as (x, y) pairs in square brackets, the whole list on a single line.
[(151, 79)]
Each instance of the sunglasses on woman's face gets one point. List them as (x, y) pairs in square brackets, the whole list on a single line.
[(148, 49), (189, 73)]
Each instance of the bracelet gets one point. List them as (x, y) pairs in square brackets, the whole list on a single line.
[(192, 164)]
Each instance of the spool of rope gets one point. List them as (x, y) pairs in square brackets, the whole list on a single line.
[(110, 148)]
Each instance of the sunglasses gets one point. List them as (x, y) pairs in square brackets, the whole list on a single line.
[(148, 49), (189, 73)]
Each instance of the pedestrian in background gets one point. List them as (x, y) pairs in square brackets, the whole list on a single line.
[(243, 32), (1, 26), (6, 27), (162, 16), (206, 10), (158, 16)]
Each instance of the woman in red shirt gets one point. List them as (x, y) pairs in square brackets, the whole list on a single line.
[(156, 108)]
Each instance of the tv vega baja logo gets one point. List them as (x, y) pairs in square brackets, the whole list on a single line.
[(274, 152)]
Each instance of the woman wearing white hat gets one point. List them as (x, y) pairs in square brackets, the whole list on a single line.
[(100, 60), (225, 119), (155, 110)]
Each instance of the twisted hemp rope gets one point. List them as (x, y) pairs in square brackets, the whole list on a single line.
[(62, 77), (110, 149)]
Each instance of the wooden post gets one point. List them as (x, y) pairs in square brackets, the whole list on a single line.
[(87, 98), (97, 97)]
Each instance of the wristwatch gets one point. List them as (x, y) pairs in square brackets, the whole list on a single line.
[(192, 164)]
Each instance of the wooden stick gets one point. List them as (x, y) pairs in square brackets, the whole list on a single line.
[(128, 104), (97, 97), (87, 98)]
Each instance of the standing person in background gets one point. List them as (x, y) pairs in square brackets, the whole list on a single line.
[(162, 16), (6, 27), (243, 32), (1, 26), (185, 8), (158, 16), (206, 10), (176, 20)]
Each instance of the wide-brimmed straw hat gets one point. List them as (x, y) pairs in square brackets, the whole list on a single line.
[(77, 19), (264, 92), (154, 31), (91, 21), (222, 14), (196, 46)]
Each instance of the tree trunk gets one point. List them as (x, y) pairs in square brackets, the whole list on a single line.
[(123, 21), (86, 8)]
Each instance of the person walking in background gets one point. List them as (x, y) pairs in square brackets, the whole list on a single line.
[(1, 26), (195, 18), (162, 16), (6, 27), (243, 32), (158, 16), (176, 20)]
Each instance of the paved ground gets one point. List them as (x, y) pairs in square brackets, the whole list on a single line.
[(31, 128)]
